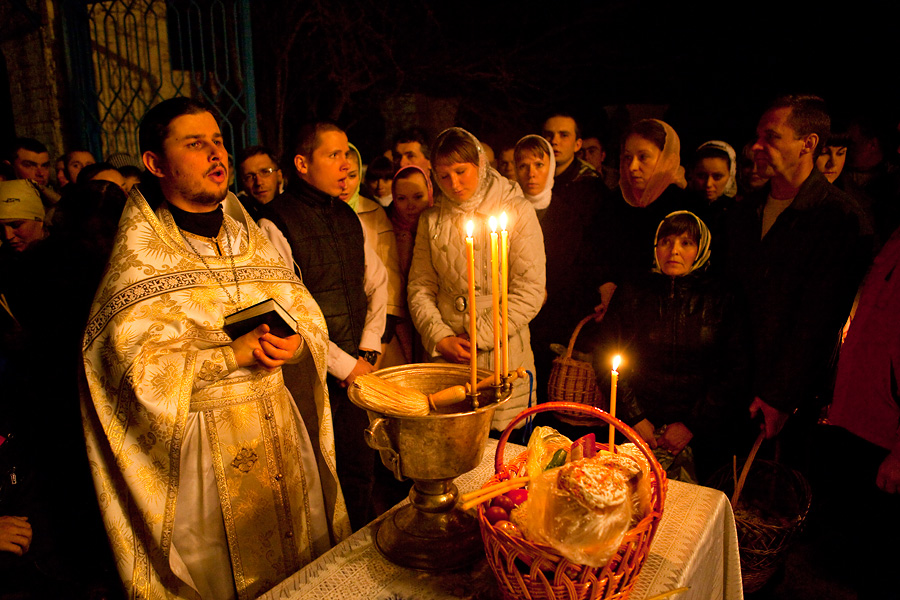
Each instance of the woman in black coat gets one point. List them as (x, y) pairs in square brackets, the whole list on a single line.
[(682, 338)]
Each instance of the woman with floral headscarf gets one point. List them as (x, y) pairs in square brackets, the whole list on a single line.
[(682, 339), (438, 280)]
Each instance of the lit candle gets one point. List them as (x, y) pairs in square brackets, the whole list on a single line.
[(504, 292), (612, 401), (473, 336), (495, 296)]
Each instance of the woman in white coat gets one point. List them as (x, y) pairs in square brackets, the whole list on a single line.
[(438, 284)]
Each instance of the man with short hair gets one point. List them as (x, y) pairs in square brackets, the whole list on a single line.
[(506, 161), (75, 161), (574, 178), (573, 175), (411, 148), (797, 250), (593, 153), (260, 176), (209, 484), (29, 159), (323, 237), (564, 135)]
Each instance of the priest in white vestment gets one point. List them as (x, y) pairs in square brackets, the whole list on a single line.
[(207, 479)]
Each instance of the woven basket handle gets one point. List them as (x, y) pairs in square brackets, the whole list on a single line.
[(739, 484), (575, 333), (627, 431)]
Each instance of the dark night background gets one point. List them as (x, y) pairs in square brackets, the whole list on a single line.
[(709, 67)]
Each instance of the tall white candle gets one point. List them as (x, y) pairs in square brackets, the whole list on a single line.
[(495, 296), (612, 401), (473, 335), (504, 292)]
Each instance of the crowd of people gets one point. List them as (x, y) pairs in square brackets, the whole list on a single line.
[(749, 291)]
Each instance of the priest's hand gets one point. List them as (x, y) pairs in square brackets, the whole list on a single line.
[(647, 431), (675, 438), (15, 535), (773, 419), (455, 349), (264, 348)]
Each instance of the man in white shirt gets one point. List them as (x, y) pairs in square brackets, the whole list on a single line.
[(320, 234)]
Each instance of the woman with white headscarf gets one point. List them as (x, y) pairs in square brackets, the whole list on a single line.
[(714, 174), (681, 335), (570, 228), (714, 180), (438, 280), (379, 235)]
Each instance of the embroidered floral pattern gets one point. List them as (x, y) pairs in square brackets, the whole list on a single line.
[(244, 460)]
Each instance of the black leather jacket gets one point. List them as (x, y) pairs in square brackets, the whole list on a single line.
[(683, 344)]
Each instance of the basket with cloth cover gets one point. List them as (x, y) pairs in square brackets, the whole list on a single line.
[(533, 571)]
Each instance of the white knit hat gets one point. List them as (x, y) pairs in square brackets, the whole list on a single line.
[(19, 199)]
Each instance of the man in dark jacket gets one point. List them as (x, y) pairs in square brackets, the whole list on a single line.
[(321, 235), (797, 250)]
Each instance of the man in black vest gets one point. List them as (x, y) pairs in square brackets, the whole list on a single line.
[(313, 228)]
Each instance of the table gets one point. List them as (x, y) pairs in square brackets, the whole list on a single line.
[(695, 546)]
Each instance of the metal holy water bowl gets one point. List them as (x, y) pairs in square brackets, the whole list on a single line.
[(431, 533)]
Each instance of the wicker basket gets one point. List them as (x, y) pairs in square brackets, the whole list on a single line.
[(574, 380), (770, 506), (531, 571)]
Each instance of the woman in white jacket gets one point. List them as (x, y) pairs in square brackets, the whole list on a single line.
[(438, 284)]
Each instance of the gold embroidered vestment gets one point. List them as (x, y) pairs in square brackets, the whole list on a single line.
[(166, 396)]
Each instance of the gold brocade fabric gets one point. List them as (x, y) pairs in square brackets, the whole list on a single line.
[(155, 357)]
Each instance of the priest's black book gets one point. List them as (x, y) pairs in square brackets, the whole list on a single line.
[(280, 322)]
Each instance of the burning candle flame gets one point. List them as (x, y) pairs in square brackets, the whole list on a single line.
[(503, 221), (493, 224), (617, 360), (470, 228)]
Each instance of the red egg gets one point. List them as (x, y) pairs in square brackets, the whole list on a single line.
[(517, 496), (504, 502), (496, 513)]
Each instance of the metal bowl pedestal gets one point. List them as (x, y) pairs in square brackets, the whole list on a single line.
[(431, 533)]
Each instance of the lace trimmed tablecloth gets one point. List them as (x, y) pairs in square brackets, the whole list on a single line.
[(695, 546)]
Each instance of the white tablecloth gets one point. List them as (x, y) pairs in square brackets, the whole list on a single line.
[(695, 546)]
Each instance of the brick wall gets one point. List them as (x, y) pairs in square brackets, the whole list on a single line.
[(36, 76)]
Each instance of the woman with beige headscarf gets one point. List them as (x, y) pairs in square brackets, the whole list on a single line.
[(651, 181)]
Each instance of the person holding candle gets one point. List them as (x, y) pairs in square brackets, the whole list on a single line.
[(438, 281), (680, 332)]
